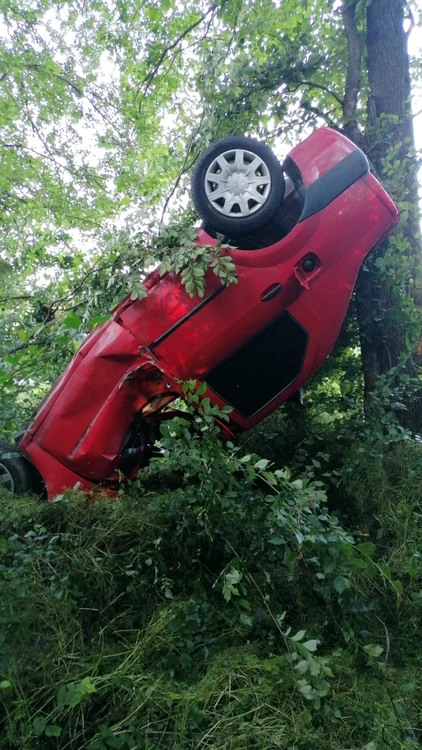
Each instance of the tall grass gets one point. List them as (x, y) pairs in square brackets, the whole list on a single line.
[(137, 624)]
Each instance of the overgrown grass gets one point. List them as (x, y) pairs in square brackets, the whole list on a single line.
[(172, 617)]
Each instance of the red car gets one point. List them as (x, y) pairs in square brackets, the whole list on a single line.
[(302, 228)]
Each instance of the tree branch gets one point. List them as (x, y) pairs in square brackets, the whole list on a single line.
[(151, 75), (308, 107), (185, 167), (16, 296), (411, 18), (313, 85)]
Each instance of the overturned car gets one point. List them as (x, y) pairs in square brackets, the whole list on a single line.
[(300, 231)]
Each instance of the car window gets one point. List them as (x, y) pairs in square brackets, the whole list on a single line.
[(261, 369)]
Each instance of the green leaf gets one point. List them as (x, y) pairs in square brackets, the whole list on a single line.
[(5, 684), (154, 14), (52, 730), (39, 725), (367, 548), (373, 650), (306, 689), (302, 666), (86, 686), (385, 570), (261, 464), (311, 645), (232, 577), (289, 558), (72, 321), (299, 635), (408, 687), (340, 584), (398, 587)]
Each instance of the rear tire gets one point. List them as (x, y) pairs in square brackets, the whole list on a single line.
[(17, 475)]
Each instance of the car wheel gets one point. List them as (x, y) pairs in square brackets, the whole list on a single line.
[(237, 186), (16, 473)]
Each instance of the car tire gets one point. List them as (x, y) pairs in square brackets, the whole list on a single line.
[(237, 186), (16, 473)]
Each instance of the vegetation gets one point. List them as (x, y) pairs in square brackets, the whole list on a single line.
[(263, 595), (219, 603), (103, 112)]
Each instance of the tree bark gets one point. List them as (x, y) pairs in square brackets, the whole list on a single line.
[(384, 299), (354, 70)]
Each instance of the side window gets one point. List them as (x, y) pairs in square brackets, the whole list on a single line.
[(261, 369)]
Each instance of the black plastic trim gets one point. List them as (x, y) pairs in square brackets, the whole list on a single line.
[(186, 317), (270, 292), (334, 182)]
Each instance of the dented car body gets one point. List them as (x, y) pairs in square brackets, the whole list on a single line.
[(253, 343)]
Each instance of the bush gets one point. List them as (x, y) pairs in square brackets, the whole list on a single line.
[(219, 605)]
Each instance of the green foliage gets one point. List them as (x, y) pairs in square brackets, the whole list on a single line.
[(56, 329), (223, 600), (183, 256), (225, 606), (104, 111)]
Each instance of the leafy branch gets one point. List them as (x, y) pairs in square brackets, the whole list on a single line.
[(147, 81)]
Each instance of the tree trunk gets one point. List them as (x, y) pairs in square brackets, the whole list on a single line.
[(388, 303)]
